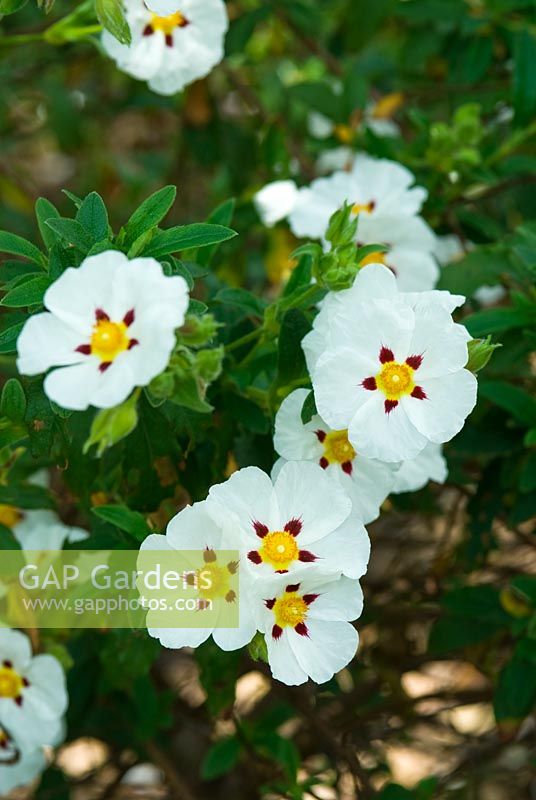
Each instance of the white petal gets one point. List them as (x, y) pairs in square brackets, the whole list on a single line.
[(46, 341), (15, 647), (305, 492), (337, 600), (46, 696), (430, 465), (283, 662), (346, 551), (449, 401), (292, 439), (194, 528), (328, 648), (441, 343), (29, 766), (368, 486), (387, 437), (275, 201), (249, 494), (175, 638), (74, 387)]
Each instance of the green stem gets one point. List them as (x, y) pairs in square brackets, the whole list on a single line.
[(249, 337)]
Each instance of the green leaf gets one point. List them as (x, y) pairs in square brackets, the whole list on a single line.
[(28, 294), (496, 320), (221, 758), (16, 245), (111, 16), (72, 232), (111, 425), (8, 338), (516, 690), (10, 6), (13, 401), (243, 299), (93, 217), (480, 351), (186, 237), (524, 83), (187, 393), (480, 267), (309, 408), (291, 359), (222, 215), (131, 522), (45, 210), (150, 213), (516, 401)]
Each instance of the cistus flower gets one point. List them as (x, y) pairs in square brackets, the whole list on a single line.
[(382, 193), (389, 366), (110, 326), (33, 697), (170, 48), (18, 765), (307, 627), (366, 481), (429, 465), (304, 518), (202, 528)]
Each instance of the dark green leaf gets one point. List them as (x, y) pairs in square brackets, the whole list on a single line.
[(221, 758), (111, 16), (243, 299), (291, 360), (45, 210), (30, 293), (524, 85), (151, 212), (186, 237), (16, 245), (13, 400), (72, 232), (516, 691), (126, 520), (516, 401), (93, 217)]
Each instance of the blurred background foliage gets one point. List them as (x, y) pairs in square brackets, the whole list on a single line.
[(440, 701)]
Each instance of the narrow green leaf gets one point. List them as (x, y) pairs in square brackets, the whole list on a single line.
[(516, 401), (122, 517), (10, 6), (524, 83), (291, 359), (8, 338), (220, 759), (72, 232), (186, 237), (45, 210), (111, 15), (93, 217), (16, 245), (151, 212), (222, 215), (29, 294), (13, 401), (243, 299)]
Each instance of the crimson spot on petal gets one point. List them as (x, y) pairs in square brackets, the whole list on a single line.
[(293, 526), (307, 556), (324, 463), (260, 529), (270, 603), (148, 30), (230, 597), (7, 664), (301, 628), (85, 349), (320, 435), (254, 557), (386, 355), (25, 682), (232, 566), (292, 587), (414, 361), (389, 405), (419, 393), (132, 343), (370, 384), (18, 700), (101, 315), (128, 319), (169, 39), (309, 598), (276, 632), (209, 555), (103, 366), (347, 467)]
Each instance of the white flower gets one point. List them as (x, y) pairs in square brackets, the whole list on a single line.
[(306, 626), (43, 530), (389, 366), (163, 7), (33, 696), (110, 327), (275, 201), (338, 158), (382, 194), (201, 528), (18, 767), (304, 518), (429, 465), (173, 50), (367, 482)]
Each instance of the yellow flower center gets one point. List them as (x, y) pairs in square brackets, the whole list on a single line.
[(11, 683), (290, 610), (363, 208), (213, 581), (337, 448), (4, 738), (168, 24), (388, 105), (279, 549), (10, 516), (395, 380), (109, 339), (373, 258)]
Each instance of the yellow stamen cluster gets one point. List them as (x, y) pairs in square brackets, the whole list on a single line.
[(213, 581), (109, 339), (11, 683), (337, 448), (290, 610), (168, 24), (279, 549), (10, 516), (363, 208), (395, 380)]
